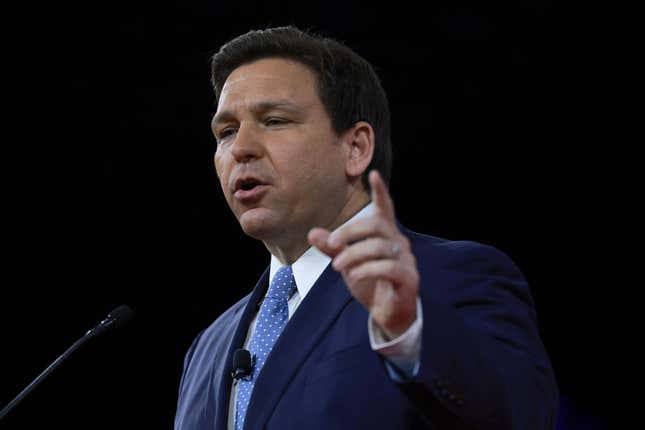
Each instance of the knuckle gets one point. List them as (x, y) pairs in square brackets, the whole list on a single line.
[(374, 224), (383, 226), (354, 275), (348, 253), (385, 247)]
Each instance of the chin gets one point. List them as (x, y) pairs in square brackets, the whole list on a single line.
[(257, 224)]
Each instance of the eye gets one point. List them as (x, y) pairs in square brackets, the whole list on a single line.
[(224, 133), (272, 121)]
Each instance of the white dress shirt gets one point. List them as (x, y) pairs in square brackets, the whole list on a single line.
[(403, 351)]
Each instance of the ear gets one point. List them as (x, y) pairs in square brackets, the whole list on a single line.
[(359, 141)]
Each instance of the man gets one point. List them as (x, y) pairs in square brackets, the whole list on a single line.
[(358, 322)]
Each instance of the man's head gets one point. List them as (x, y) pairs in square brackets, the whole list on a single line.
[(284, 162), (347, 85)]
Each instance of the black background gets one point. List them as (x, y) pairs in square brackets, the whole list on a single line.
[(110, 194)]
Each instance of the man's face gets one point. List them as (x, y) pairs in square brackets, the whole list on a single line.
[(280, 163)]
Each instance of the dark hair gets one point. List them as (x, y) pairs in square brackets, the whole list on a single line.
[(347, 85)]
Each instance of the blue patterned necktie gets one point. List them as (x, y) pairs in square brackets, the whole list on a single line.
[(273, 316)]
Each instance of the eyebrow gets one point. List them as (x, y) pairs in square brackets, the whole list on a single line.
[(260, 107)]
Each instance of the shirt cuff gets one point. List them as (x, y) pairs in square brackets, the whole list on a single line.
[(402, 355)]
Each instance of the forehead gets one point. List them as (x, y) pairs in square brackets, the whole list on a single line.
[(271, 78)]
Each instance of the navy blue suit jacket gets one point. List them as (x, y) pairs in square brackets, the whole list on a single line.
[(483, 365)]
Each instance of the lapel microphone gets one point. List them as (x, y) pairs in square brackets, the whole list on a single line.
[(117, 318), (242, 364)]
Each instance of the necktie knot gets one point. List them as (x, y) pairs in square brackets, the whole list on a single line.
[(282, 284)]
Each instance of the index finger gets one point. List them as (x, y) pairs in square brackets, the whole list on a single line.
[(381, 196)]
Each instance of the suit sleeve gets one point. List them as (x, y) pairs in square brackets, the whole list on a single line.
[(187, 358), (482, 363), (182, 404)]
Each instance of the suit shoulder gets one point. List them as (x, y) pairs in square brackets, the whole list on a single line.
[(459, 251), (214, 330), (225, 318)]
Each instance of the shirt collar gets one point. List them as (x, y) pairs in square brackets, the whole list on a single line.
[(308, 268)]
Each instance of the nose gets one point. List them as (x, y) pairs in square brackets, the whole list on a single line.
[(247, 145)]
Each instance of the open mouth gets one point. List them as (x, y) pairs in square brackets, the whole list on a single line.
[(248, 188), (248, 185)]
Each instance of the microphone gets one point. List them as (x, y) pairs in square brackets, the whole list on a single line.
[(117, 318), (242, 364)]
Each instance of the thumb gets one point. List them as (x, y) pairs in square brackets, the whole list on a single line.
[(318, 237)]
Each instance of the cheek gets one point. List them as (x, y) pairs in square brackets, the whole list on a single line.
[(221, 170), (218, 161), (301, 166), (313, 175)]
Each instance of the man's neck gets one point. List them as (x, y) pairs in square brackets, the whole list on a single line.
[(287, 253)]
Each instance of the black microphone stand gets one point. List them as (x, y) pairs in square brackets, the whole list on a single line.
[(117, 317)]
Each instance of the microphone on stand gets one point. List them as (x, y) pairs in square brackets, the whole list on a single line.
[(117, 318)]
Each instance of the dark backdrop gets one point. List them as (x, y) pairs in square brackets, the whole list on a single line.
[(110, 194)]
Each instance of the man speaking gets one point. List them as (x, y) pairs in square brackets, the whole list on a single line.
[(358, 322)]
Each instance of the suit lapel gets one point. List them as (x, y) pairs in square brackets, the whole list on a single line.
[(316, 313), (223, 373)]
